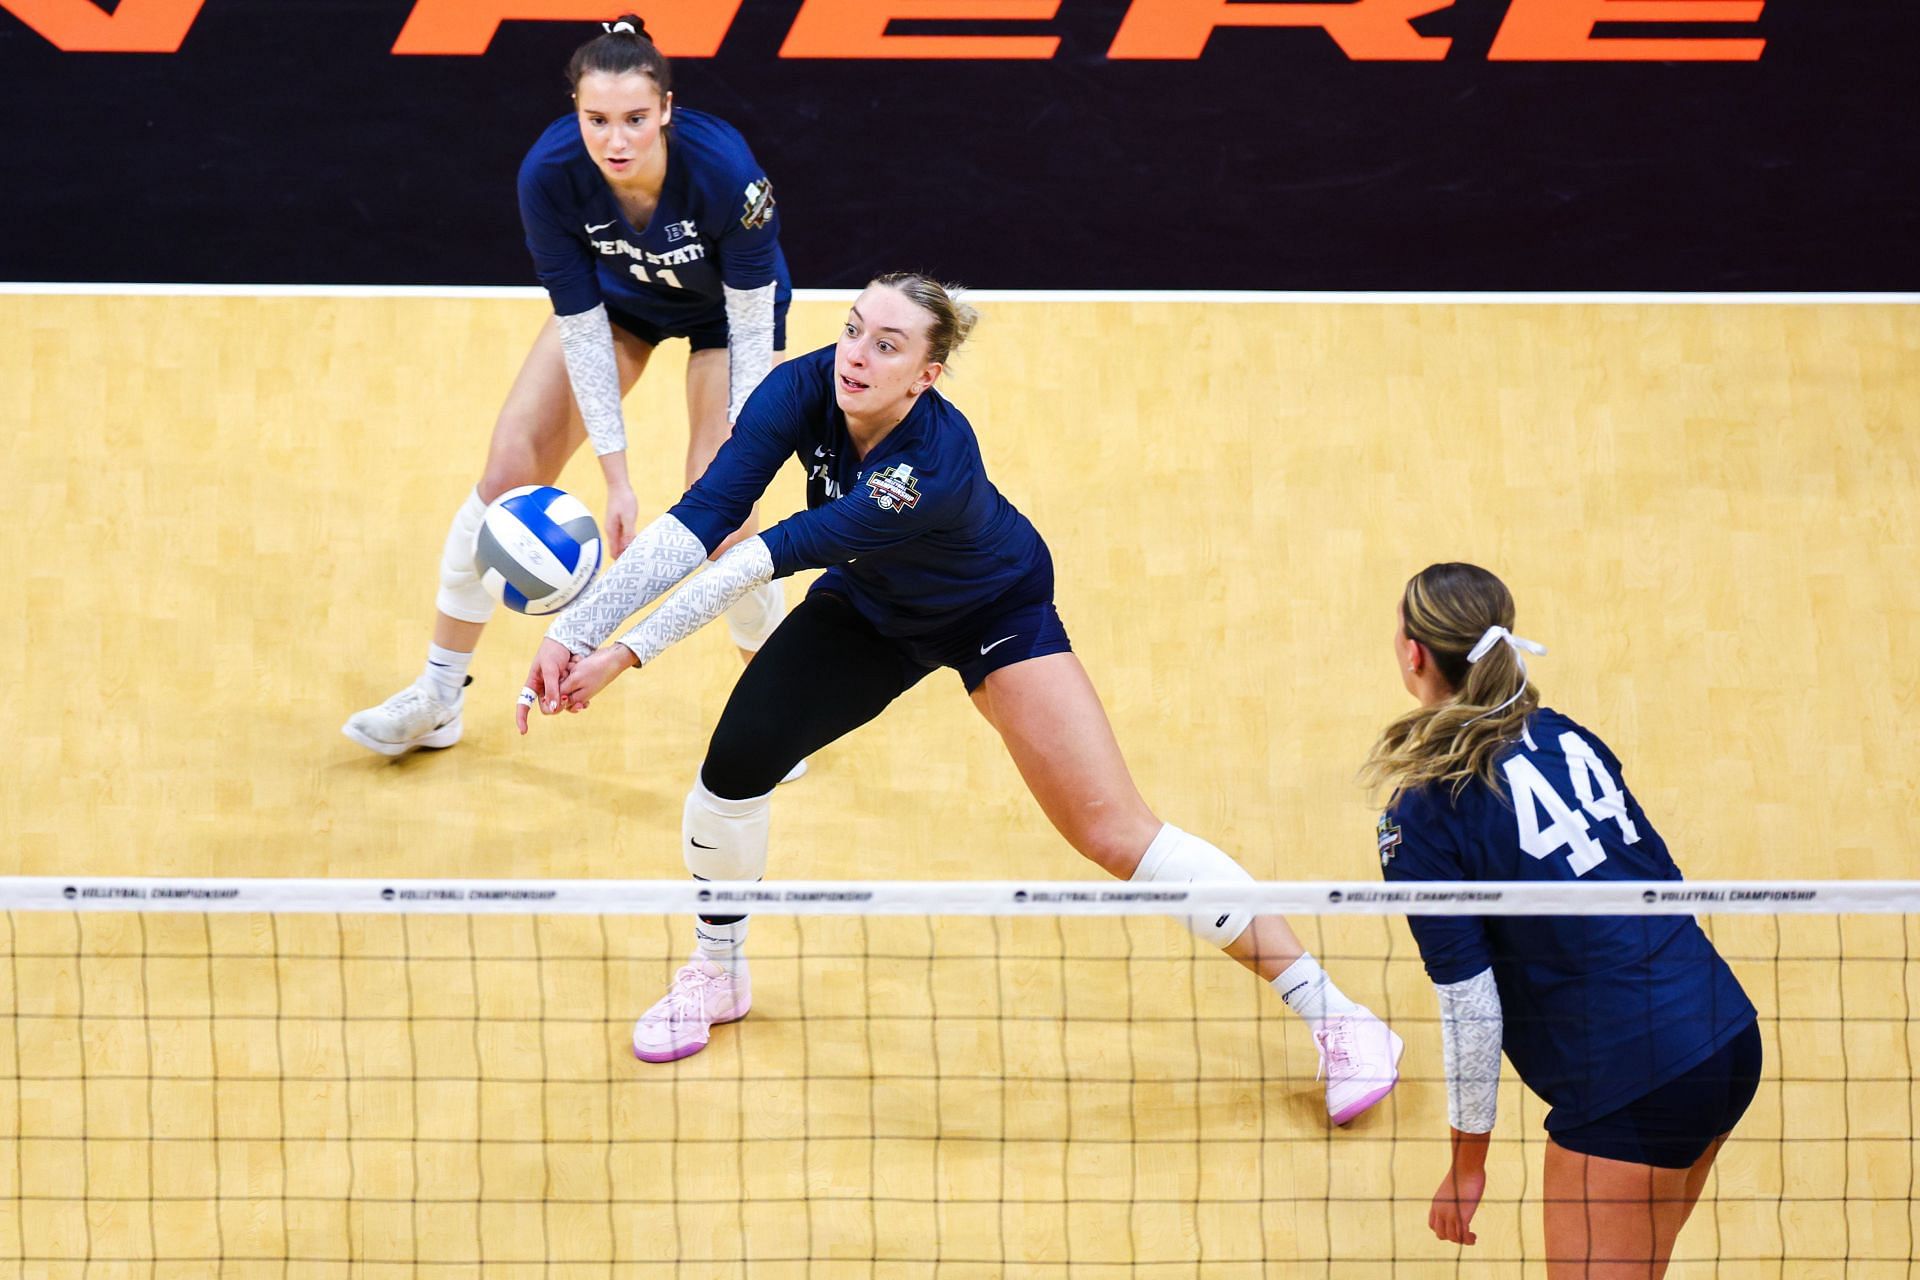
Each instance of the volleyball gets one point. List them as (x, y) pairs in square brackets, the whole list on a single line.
[(538, 549)]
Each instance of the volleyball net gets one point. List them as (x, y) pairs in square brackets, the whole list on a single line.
[(254, 1078)]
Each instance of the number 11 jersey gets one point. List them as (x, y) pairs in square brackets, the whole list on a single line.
[(716, 224), (1597, 1011)]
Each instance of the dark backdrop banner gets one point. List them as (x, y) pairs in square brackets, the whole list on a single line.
[(1049, 144)]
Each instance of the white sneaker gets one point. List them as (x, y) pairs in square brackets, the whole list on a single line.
[(681, 1023), (1360, 1057), (411, 718)]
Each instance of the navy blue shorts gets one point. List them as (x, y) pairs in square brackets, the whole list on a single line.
[(827, 670), (1021, 624), (992, 639), (1673, 1126), (704, 335)]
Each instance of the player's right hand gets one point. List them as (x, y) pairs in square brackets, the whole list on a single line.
[(551, 664), (1451, 1216)]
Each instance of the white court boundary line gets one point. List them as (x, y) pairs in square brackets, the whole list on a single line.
[(1362, 297), (1042, 898)]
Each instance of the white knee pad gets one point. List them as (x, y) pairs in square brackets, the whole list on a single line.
[(725, 839), (753, 616), (1178, 857), (461, 595)]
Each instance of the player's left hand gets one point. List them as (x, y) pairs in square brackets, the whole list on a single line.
[(551, 663), (1451, 1216), (593, 673), (623, 512)]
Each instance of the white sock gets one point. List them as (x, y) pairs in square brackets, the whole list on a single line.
[(723, 944), (446, 673), (1309, 992)]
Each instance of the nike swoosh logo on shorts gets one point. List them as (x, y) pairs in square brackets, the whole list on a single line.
[(591, 228), (997, 643)]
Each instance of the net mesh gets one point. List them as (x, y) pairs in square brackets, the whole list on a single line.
[(427, 1089)]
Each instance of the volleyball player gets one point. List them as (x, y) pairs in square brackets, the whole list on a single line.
[(928, 566), (646, 221), (1631, 1028)]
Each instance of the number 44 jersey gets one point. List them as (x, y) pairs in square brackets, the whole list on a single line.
[(1596, 1010)]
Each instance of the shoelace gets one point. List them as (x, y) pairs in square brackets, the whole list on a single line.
[(414, 699), (409, 698), (689, 993), (1333, 1049)]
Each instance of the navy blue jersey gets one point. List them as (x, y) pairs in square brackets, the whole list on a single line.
[(715, 224), (916, 535), (1598, 1010)]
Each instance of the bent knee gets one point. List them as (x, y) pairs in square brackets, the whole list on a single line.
[(1114, 842), (744, 760), (511, 464), (526, 448)]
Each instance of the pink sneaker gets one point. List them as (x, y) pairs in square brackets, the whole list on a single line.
[(1360, 1057), (679, 1025)]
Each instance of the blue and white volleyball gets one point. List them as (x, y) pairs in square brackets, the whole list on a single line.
[(538, 549)]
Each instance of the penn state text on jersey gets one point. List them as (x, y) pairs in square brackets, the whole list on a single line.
[(717, 224)]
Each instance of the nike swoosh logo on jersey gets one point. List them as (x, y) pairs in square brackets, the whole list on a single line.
[(591, 227), (985, 648)]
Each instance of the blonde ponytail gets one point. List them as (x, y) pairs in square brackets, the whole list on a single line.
[(953, 319), (1449, 609)]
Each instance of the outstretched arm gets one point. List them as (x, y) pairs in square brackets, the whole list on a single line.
[(670, 549), (692, 607), (665, 552)]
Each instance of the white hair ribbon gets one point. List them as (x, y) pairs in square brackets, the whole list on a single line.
[(612, 28), (1492, 636)]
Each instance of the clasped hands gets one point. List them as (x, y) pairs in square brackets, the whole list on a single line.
[(559, 681)]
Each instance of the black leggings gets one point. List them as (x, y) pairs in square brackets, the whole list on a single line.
[(822, 674)]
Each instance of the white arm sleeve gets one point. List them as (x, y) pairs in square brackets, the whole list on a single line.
[(586, 340), (747, 566), (1470, 1039), (665, 552), (749, 343)]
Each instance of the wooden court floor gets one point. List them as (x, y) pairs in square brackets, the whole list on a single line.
[(226, 516)]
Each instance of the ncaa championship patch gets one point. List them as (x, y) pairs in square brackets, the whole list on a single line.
[(1388, 835), (759, 204), (894, 489)]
